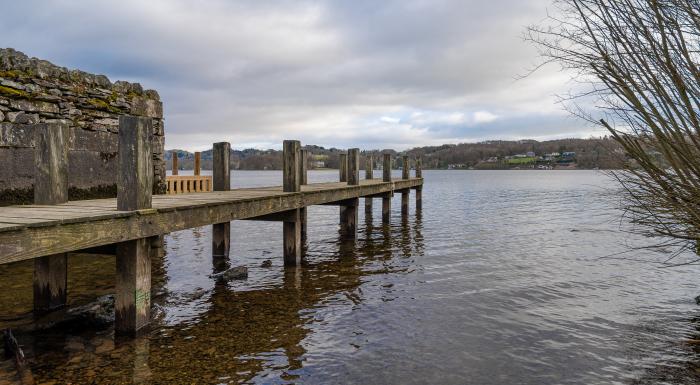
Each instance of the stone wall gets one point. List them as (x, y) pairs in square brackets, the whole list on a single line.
[(34, 91)]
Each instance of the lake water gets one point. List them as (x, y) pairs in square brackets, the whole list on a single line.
[(504, 277)]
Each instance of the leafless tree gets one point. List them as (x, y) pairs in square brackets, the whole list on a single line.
[(634, 66)]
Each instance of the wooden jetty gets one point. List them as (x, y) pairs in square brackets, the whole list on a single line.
[(54, 226)]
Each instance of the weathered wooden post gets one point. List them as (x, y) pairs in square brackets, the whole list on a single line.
[(221, 180), (406, 168), (386, 199), (405, 194), (132, 302), (343, 167), (303, 175), (369, 175), (419, 189), (175, 167), (291, 183), (386, 171), (354, 166), (369, 167), (348, 214), (50, 188), (197, 163)]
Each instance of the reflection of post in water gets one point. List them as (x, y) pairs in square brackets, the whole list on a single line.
[(142, 372), (369, 225), (419, 245)]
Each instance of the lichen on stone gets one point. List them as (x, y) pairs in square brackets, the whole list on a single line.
[(13, 93)]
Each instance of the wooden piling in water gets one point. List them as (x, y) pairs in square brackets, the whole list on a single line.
[(50, 188), (221, 180), (197, 163), (291, 183), (134, 187), (369, 174), (303, 175), (386, 198), (348, 217), (405, 174), (419, 189), (175, 167)]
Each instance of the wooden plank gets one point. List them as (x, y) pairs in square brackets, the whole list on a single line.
[(18, 242), (4, 226), (284, 216)]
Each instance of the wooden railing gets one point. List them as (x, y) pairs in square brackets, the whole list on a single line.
[(182, 184)]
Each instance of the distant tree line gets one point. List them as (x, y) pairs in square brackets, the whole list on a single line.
[(602, 153)]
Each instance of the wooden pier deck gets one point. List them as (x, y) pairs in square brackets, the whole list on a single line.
[(134, 222), (32, 231)]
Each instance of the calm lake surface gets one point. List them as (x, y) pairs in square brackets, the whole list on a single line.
[(498, 280)]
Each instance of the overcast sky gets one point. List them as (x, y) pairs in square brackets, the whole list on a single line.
[(365, 73)]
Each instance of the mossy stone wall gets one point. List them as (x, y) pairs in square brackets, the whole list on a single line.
[(35, 91)]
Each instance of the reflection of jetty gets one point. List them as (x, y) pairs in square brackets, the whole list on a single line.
[(135, 220)]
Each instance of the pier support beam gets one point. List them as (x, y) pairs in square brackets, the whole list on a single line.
[(132, 302), (386, 199), (291, 183), (343, 168), (369, 174), (348, 213), (50, 188), (221, 181), (405, 174), (303, 179), (419, 189)]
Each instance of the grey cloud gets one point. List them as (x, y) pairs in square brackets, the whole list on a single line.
[(325, 72)]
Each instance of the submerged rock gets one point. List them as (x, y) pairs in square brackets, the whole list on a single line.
[(697, 300), (100, 312), (238, 272), (266, 263)]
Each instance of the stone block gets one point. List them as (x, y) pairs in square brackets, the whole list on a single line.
[(150, 108)]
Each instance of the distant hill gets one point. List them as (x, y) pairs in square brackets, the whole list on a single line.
[(603, 153)]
